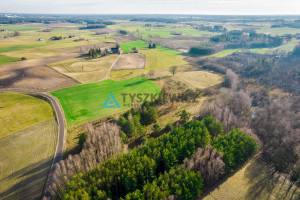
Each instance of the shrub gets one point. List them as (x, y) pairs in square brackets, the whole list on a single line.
[(169, 127)]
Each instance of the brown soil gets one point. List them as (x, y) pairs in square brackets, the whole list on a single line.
[(35, 75)]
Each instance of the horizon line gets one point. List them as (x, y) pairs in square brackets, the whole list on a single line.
[(150, 14)]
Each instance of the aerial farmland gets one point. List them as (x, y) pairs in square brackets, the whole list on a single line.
[(88, 99)]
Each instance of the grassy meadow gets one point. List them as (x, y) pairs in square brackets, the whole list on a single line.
[(16, 112), (7, 59), (83, 103), (253, 181), (28, 137), (198, 79), (25, 160)]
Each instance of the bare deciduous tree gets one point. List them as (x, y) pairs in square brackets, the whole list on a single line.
[(232, 108), (208, 162), (101, 143)]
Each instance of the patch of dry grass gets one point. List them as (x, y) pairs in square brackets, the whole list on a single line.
[(254, 181), (199, 79)]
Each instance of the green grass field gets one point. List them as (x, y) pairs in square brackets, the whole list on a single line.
[(138, 44), (19, 28), (224, 53), (7, 59), (21, 47), (83, 103), (142, 45), (16, 112), (25, 160)]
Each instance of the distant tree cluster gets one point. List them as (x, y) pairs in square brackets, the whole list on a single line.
[(296, 51), (216, 28), (237, 39), (17, 33), (161, 168), (163, 20), (94, 53), (271, 71), (56, 38), (123, 32), (201, 51), (152, 46)]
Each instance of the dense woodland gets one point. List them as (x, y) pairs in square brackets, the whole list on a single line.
[(142, 173), (248, 104), (238, 39)]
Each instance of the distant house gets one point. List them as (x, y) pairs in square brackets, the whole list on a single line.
[(107, 51), (115, 50), (40, 39)]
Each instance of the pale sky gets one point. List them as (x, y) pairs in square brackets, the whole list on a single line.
[(201, 7)]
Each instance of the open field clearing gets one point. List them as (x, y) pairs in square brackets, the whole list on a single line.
[(86, 71), (35, 75), (142, 45), (130, 62), (25, 160), (159, 59), (19, 28), (253, 181), (16, 112), (288, 47), (224, 53), (198, 79), (156, 59), (278, 31), (83, 103), (126, 47), (168, 30), (28, 44), (7, 59)]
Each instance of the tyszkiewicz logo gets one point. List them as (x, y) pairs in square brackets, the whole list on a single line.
[(111, 102)]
